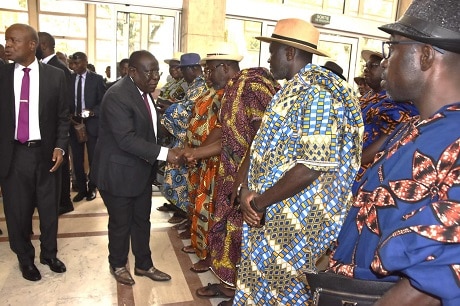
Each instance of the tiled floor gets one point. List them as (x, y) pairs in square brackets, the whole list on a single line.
[(82, 244)]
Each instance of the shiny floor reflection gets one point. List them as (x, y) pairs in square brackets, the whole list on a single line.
[(82, 243)]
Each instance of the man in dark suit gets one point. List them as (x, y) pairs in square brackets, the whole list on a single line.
[(85, 108), (123, 166), (34, 121), (3, 61), (45, 53)]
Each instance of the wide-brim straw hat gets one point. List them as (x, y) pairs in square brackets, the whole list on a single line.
[(176, 57), (366, 54), (222, 51), (296, 33), (435, 22)]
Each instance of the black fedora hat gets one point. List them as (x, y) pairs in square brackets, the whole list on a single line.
[(435, 22), (334, 67)]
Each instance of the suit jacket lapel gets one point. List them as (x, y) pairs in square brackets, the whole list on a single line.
[(41, 90), (156, 113), (139, 102), (10, 97)]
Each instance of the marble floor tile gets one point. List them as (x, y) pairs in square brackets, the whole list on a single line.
[(82, 246)]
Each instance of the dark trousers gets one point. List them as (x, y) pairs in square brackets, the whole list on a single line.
[(129, 220), (29, 184), (65, 177), (78, 160)]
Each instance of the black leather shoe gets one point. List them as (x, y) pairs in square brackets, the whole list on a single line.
[(1, 233), (80, 196), (55, 264), (91, 195), (65, 209), (153, 273), (30, 272), (122, 276)]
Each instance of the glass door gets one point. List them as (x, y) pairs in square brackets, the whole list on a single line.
[(342, 50), (154, 30)]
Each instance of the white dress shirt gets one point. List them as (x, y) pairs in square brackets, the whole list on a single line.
[(163, 155), (34, 126)]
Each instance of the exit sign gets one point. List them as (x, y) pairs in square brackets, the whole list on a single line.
[(321, 19)]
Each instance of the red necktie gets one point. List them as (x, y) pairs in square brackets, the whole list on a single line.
[(146, 101), (23, 117)]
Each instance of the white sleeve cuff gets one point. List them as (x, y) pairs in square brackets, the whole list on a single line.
[(163, 155)]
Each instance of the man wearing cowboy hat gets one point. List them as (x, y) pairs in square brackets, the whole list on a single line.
[(175, 88), (247, 94), (363, 88), (404, 224), (381, 115), (303, 162)]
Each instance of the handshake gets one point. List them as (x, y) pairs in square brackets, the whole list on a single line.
[(181, 156)]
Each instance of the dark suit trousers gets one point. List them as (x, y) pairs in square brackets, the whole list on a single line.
[(129, 219), (65, 186), (28, 185), (78, 160)]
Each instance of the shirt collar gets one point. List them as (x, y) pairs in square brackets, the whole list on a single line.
[(48, 58), (32, 66)]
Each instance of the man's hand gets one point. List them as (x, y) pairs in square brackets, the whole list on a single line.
[(190, 156), (57, 159), (250, 216), (176, 156)]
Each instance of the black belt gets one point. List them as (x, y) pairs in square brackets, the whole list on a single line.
[(29, 144)]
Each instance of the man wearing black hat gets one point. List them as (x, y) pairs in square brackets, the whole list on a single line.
[(175, 120), (404, 224)]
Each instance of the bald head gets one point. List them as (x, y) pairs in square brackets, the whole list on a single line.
[(21, 42), (137, 57), (144, 70)]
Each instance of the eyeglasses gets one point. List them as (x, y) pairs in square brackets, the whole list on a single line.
[(150, 73), (209, 71), (387, 46), (371, 66)]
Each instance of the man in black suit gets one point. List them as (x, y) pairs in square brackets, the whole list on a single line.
[(3, 61), (45, 53), (34, 121), (85, 108), (123, 166)]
